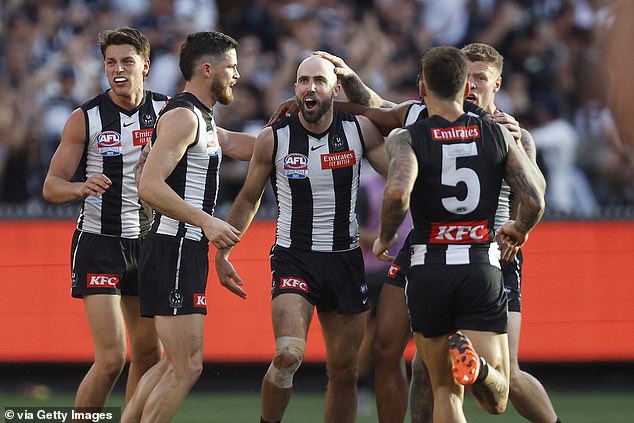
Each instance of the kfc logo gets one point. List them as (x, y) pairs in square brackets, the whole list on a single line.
[(200, 300), (102, 281), (293, 283), (393, 271), (459, 232)]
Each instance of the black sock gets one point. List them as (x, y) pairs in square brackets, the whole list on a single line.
[(484, 370), (264, 421)]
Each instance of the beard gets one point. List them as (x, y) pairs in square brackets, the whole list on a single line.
[(222, 93), (313, 115)]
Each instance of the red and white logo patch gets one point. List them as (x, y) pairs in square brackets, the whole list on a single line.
[(394, 268), (338, 160), (101, 280), (293, 283), (200, 300), (454, 133), (459, 232), (140, 137)]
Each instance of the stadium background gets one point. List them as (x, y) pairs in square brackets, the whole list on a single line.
[(558, 81)]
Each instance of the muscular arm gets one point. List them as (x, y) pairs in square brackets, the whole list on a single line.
[(527, 183), (355, 89), (57, 186), (385, 119), (176, 130), (403, 169), (374, 145), (237, 145), (528, 145), (246, 205)]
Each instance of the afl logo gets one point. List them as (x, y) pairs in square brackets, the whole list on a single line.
[(296, 166), (109, 143)]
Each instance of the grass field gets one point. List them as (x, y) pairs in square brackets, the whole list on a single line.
[(577, 407)]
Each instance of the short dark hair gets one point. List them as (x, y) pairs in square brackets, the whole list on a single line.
[(125, 35), (444, 71), (201, 44), (479, 52)]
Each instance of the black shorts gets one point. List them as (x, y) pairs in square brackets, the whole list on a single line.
[(443, 298), (512, 274), (173, 274), (328, 280), (397, 273), (104, 265)]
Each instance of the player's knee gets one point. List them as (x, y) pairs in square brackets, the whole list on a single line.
[(343, 372), (495, 408), (385, 352), (111, 363), (289, 353), (146, 358)]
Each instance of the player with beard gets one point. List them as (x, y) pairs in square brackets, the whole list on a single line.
[(313, 160), (180, 182), (454, 286)]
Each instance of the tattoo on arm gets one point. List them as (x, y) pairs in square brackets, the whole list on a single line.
[(402, 172), (524, 180), (358, 92), (529, 145)]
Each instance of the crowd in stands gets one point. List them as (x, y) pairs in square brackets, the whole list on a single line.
[(554, 80)]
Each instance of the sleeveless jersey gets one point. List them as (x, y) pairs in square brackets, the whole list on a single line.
[(418, 111), (460, 169), (195, 177), (315, 181), (114, 140)]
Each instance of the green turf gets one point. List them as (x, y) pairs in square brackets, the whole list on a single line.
[(577, 407)]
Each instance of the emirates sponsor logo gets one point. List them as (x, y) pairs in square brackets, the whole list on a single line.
[(459, 232), (338, 160), (140, 137), (455, 133)]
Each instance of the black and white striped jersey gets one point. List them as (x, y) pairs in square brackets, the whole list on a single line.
[(418, 111), (316, 181), (114, 140), (195, 177), (461, 165)]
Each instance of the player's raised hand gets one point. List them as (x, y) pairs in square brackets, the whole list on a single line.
[(342, 70), (285, 109), (509, 122)]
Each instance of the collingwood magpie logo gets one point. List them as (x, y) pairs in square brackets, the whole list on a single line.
[(337, 144), (176, 298)]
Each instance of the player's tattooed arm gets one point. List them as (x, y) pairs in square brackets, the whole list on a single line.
[(402, 172), (355, 89), (138, 169), (528, 144), (529, 185)]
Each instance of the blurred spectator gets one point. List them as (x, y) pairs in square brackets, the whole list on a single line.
[(557, 52)]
